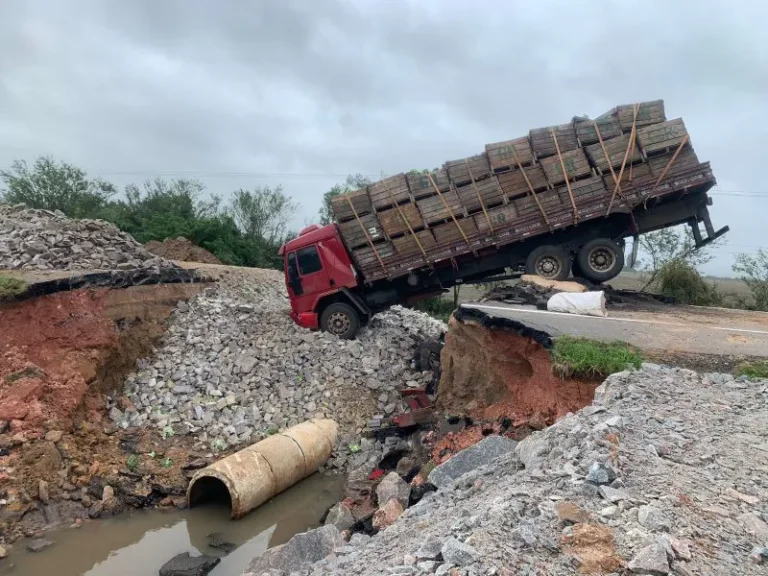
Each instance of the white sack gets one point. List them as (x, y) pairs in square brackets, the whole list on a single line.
[(586, 303)]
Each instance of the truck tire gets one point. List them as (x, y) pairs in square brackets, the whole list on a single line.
[(341, 320), (550, 262), (600, 260)]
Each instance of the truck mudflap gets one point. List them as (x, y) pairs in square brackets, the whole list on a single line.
[(306, 320)]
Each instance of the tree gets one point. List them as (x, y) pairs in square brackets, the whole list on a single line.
[(754, 273), (667, 245), (263, 213), (52, 185), (352, 183)]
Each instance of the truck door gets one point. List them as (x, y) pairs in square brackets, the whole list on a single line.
[(312, 275)]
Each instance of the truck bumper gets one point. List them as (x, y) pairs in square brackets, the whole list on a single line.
[(306, 320)]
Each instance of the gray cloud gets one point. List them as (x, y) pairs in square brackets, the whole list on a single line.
[(132, 89)]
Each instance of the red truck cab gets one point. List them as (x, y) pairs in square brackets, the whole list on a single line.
[(320, 278)]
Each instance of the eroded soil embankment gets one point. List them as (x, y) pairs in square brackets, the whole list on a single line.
[(494, 368), (58, 354), (60, 351)]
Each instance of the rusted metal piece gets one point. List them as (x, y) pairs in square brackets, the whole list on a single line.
[(257, 473)]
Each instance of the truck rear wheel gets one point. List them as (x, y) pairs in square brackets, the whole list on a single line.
[(341, 320), (600, 260), (550, 262)]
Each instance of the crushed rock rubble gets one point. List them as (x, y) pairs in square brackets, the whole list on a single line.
[(233, 367), (664, 474), (33, 239)]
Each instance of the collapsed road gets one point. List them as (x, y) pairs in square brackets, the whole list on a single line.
[(670, 329), (115, 395)]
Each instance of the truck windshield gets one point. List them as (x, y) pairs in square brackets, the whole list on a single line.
[(309, 260)]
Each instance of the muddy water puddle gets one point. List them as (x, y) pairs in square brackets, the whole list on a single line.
[(140, 543)]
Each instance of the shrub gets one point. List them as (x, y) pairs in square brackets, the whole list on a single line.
[(680, 280), (437, 307)]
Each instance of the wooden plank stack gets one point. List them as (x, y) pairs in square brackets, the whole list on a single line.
[(529, 182)]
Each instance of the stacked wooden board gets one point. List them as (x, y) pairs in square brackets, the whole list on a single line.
[(553, 177)]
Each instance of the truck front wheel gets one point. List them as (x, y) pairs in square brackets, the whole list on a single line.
[(600, 260), (550, 262), (341, 320)]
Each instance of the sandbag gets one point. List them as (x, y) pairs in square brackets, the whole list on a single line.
[(585, 303)]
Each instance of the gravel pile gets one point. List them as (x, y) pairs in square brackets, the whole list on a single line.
[(233, 367), (664, 474), (43, 240)]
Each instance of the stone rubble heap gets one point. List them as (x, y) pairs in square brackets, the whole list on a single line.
[(43, 240), (664, 474), (233, 367)]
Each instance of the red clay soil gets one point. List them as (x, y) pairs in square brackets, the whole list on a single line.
[(181, 249), (50, 349), (492, 373)]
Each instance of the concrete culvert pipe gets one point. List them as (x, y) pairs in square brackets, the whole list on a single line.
[(255, 474)]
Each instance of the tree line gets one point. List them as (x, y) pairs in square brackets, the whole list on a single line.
[(247, 230)]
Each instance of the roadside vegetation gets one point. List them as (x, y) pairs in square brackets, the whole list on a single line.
[(585, 358), (245, 230), (670, 266), (11, 287), (756, 370)]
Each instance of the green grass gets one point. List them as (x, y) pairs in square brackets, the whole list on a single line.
[(581, 357), (756, 370), (437, 307), (11, 287)]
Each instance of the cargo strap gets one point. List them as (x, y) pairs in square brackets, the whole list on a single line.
[(407, 223), (632, 136), (610, 163), (683, 142), (431, 181), (367, 236), (530, 188), (479, 198), (565, 175)]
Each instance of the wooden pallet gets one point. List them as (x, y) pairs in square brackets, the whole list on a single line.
[(434, 210), (616, 148), (648, 113), (354, 235), (506, 154), (513, 183), (393, 220), (576, 166), (488, 190), (543, 144), (421, 187), (630, 173), (608, 125), (389, 191), (407, 245), (459, 170), (663, 137), (449, 232), (549, 199), (499, 217), (685, 160), (366, 258), (360, 201), (586, 190)]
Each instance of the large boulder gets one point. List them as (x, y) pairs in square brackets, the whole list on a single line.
[(298, 553), (471, 458)]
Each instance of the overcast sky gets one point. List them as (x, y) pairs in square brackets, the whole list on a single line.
[(303, 92)]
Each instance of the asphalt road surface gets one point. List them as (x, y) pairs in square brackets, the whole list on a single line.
[(673, 330)]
